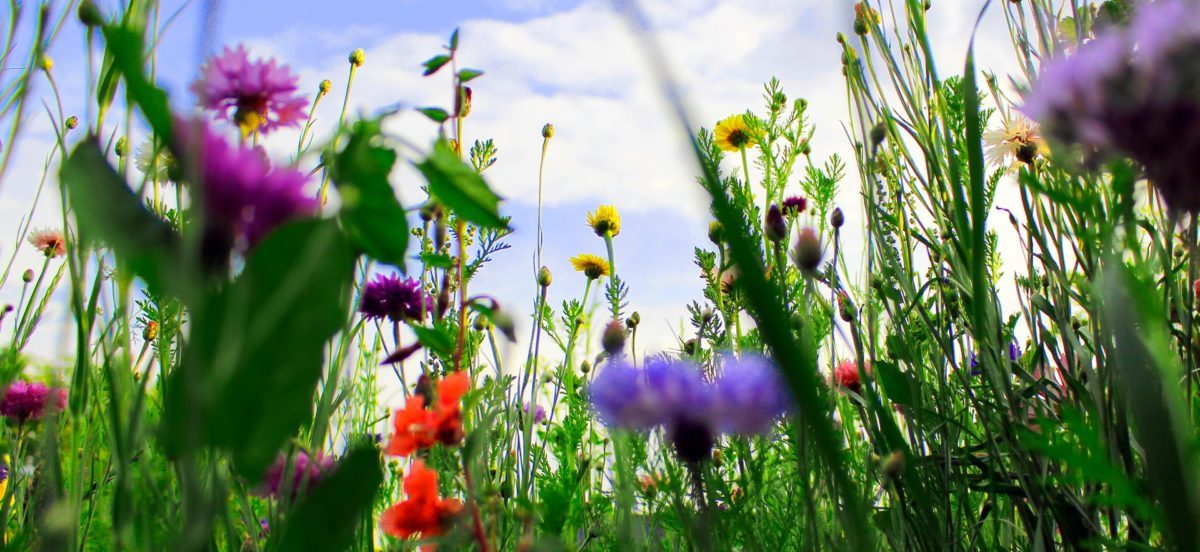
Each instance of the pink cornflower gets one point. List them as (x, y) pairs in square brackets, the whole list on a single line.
[(261, 94), (306, 472), (25, 401), (245, 197), (50, 242)]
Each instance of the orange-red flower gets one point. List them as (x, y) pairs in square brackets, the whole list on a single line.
[(417, 427), (423, 513)]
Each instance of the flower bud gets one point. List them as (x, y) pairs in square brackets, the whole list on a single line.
[(893, 465), (613, 339), (716, 233), (480, 323), (150, 332), (805, 148), (505, 324), (808, 251), (878, 134), (837, 218), (357, 57), (71, 123), (122, 146), (27, 276), (585, 367), (845, 307), (462, 104), (548, 131), (89, 14), (543, 277), (775, 226), (325, 87), (635, 319), (46, 63)]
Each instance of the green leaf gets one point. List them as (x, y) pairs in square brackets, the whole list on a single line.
[(434, 63), (437, 340), (127, 47), (467, 75), (899, 385), (328, 517), (454, 40), (460, 188), (436, 260), (108, 211), (371, 215), (256, 349), (437, 114)]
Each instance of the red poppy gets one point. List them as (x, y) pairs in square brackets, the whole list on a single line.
[(846, 375), (417, 427), (423, 513)]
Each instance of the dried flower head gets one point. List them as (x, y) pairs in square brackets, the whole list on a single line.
[(592, 266), (261, 95), (50, 242), (605, 221), (733, 134)]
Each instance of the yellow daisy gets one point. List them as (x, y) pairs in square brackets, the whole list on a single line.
[(592, 266), (605, 220), (733, 134)]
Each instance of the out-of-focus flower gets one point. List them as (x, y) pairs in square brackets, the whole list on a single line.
[(794, 205), (1133, 92), (539, 413), (261, 94), (155, 161), (808, 251), (845, 375), (750, 395), (245, 196), (865, 17), (418, 427), (774, 225), (1017, 141), (592, 266), (306, 472), (605, 221), (50, 242), (733, 134), (424, 513), (25, 401), (395, 298)]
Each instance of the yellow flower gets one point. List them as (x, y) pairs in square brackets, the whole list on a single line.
[(733, 134), (592, 266), (605, 220)]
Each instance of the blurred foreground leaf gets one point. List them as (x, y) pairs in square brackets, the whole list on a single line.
[(328, 517), (371, 214), (460, 188)]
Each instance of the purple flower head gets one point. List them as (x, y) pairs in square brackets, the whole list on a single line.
[(1014, 352), (1133, 92), (244, 196), (25, 401), (750, 396), (395, 298), (661, 392), (260, 94), (539, 413), (306, 473), (794, 205), (3, 472)]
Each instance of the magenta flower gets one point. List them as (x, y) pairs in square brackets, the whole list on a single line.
[(750, 396), (306, 473), (244, 196), (794, 205), (395, 298), (1133, 92), (25, 401), (261, 94)]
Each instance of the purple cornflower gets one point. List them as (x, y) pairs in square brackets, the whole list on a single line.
[(261, 94), (539, 413), (398, 299), (1134, 92), (794, 205), (244, 196), (25, 401), (1014, 354), (306, 472), (750, 395)]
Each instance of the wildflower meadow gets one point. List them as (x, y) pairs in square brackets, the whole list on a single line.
[(931, 304)]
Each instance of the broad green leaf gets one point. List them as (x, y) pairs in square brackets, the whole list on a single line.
[(257, 346), (434, 63), (468, 75), (370, 212), (437, 339), (329, 516), (460, 188), (109, 212), (126, 47), (436, 114)]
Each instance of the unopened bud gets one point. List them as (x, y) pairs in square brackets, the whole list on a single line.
[(505, 324), (775, 226), (357, 57), (89, 14), (837, 218), (462, 104), (122, 146), (808, 251), (150, 332), (46, 63), (543, 277), (878, 133), (635, 319), (480, 323), (325, 87), (27, 276), (71, 123), (585, 367), (613, 339), (845, 307), (716, 232), (548, 131)]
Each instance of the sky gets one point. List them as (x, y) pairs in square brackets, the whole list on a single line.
[(570, 63)]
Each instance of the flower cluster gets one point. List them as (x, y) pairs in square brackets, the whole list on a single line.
[(417, 427), (424, 513), (746, 399), (261, 94), (306, 473), (25, 401), (395, 298), (1136, 92), (244, 196)]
